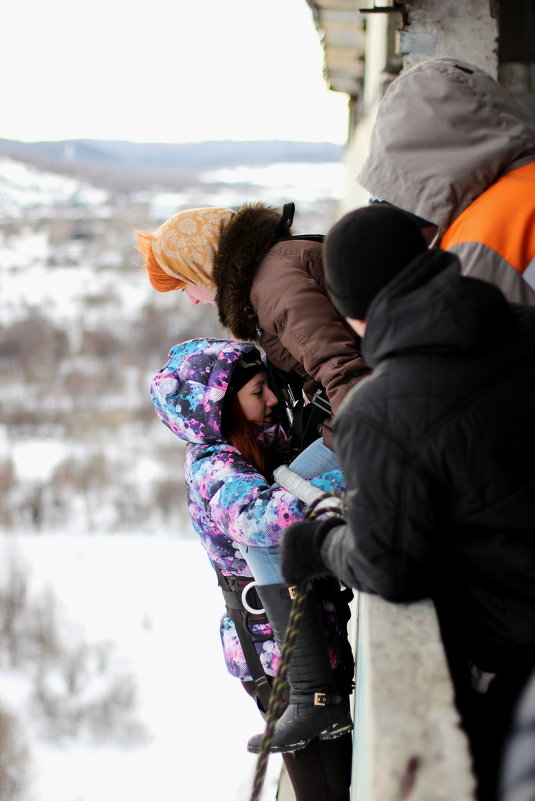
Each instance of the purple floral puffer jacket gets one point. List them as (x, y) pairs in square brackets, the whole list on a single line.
[(229, 502)]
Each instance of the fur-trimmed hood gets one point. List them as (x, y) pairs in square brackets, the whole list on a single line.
[(245, 240)]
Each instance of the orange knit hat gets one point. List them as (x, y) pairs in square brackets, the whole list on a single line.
[(184, 248)]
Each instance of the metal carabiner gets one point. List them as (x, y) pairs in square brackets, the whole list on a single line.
[(246, 606)]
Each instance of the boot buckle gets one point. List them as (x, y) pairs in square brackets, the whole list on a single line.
[(320, 699)]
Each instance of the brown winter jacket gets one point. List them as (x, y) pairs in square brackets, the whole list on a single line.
[(272, 291)]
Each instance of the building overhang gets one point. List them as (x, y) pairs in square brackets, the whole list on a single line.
[(341, 28)]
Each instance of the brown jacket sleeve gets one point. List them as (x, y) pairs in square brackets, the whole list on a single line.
[(300, 323)]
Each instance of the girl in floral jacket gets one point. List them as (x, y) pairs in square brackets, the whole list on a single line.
[(214, 395)]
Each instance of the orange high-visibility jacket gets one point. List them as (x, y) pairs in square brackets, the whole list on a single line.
[(495, 236), (453, 146)]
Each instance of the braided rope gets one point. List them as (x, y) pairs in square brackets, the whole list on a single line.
[(287, 648), (278, 687), (338, 509)]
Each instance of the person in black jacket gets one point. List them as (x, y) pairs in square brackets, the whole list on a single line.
[(437, 446)]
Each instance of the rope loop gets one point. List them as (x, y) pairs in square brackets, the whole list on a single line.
[(338, 507)]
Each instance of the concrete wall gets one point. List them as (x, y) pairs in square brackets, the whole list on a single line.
[(407, 740), (466, 30)]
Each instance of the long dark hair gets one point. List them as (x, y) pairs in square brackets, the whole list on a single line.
[(243, 434)]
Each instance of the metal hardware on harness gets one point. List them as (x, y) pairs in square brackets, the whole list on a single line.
[(321, 402), (320, 699), (292, 592), (232, 588), (289, 397), (245, 603)]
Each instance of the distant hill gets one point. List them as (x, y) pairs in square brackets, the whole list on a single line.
[(130, 165)]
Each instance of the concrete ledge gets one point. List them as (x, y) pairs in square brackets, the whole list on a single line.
[(408, 744)]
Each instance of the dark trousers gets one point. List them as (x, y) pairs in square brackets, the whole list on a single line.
[(487, 720), (486, 717), (322, 770)]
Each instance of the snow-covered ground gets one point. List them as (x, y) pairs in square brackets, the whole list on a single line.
[(305, 184), (157, 600), (28, 193), (26, 190)]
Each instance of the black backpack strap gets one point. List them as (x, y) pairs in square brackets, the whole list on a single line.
[(238, 614), (286, 218), (309, 237), (301, 422), (285, 223), (288, 389)]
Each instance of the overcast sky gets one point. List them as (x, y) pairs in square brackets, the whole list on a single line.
[(165, 70)]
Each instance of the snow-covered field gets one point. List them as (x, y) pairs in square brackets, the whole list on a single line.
[(154, 598), (28, 191), (157, 600), (305, 184)]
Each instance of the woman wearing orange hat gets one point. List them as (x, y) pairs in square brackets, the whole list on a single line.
[(268, 287), (182, 253)]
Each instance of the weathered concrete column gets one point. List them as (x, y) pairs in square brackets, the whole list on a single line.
[(447, 28), (376, 53), (407, 741)]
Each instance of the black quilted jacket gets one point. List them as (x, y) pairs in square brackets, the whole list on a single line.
[(438, 451)]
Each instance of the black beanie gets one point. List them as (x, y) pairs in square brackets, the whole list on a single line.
[(364, 251), (247, 366), (420, 221)]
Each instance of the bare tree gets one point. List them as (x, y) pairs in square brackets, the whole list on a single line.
[(14, 760)]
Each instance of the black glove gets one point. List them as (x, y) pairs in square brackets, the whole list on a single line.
[(300, 557)]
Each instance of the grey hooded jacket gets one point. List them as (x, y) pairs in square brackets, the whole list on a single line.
[(445, 132)]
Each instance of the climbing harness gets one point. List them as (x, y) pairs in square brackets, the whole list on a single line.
[(240, 600)]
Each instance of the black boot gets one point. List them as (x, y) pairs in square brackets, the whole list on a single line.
[(315, 707)]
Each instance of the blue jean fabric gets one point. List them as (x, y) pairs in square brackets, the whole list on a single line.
[(315, 460), (312, 462)]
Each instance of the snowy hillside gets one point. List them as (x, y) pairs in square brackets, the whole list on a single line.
[(29, 193), (182, 734), (82, 332), (112, 683)]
